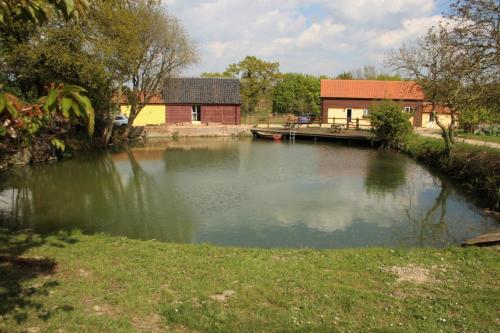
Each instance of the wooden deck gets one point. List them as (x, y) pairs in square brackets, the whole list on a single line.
[(321, 133), (484, 240)]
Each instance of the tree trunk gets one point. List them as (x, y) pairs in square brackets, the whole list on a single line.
[(134, 106), (447, 132), (447, 135), (107, 133)]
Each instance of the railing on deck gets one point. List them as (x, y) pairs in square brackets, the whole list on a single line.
[(269, 120), (350, 123)]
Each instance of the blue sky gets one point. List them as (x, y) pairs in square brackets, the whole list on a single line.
[(307, 36)]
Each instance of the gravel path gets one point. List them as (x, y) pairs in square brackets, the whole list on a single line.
[(468, 141)]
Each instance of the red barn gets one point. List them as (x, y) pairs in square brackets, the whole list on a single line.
[(203, 100)]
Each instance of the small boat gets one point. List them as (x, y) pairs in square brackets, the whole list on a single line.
[(270, 136)]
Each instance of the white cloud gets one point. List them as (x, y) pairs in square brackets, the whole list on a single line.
[(408, 30), (318, 34), (315, 36), (378, 12)]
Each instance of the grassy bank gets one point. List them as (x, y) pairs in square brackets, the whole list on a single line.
[(475, 168), (76, 283), (485, 138)]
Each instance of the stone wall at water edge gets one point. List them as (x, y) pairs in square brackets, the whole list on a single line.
[(190, 130)]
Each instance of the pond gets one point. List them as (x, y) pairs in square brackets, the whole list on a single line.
[(244, 192)]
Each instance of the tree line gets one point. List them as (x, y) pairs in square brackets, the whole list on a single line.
[(264, 89)]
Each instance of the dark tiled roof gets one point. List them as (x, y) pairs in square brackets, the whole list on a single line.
[(202, 91)]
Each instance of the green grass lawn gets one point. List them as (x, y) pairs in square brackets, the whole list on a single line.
[(486, 138), (77, 283)]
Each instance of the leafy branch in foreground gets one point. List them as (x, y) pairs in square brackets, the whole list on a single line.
[(69, 101), (39, 11), (63, 106)]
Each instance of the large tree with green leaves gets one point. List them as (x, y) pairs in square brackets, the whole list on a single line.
[(257, 78), (101, 53), (297, 93)]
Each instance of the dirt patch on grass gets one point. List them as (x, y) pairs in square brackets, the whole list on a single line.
[(411, 273), (110, 311), (83, 273), (107, 310), (222, 297), (148, 324)]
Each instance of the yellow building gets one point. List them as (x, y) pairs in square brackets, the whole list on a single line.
[(151, 114), (443, 114)]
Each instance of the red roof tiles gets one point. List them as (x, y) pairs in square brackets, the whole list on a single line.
[(371, 89)]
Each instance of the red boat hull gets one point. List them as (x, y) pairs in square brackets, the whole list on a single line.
[(270, 136)]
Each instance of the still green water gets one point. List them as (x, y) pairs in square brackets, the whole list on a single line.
[(243, 192)]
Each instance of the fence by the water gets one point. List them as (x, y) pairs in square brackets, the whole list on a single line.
[(272, 121)]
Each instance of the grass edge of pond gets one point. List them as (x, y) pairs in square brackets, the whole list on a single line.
[(475, 169), (106, 283)]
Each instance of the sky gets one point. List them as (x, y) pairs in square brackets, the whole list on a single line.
[(320, 37)]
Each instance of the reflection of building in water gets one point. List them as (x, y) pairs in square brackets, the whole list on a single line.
[(204, 143)]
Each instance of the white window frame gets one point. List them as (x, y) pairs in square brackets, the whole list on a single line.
[(409, 109), (365, 112)]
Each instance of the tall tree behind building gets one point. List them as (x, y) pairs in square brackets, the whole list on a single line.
[(257, 79), (297, 93)]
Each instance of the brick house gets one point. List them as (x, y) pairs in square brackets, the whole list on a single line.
[(203, 100), (348, 100)]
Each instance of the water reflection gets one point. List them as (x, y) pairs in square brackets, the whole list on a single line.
[(430, 226), (106, 193), (386, 173), (244, 193)]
